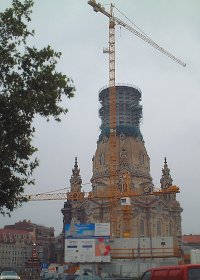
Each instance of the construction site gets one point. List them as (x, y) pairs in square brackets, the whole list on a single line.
[(125, 224)]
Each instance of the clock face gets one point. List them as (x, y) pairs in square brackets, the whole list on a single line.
[(147, 189)]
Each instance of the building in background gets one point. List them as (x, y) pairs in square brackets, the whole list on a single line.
[(15, 248), (29, 233), (190, 242), (59, 248)]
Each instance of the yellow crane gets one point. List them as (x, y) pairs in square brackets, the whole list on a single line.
[(97, 7), (78, 196), (113, 173)]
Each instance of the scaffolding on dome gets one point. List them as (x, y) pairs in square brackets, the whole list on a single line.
[(128, 109)]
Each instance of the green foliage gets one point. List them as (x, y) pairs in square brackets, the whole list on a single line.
[(29, 85)]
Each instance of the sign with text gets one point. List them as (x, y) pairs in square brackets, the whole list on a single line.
[(102, 229), (87, 230), (87, 242), (87, 250)]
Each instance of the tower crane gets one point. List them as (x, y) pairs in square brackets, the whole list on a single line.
[(113, 173), (97, 7), (113, 194)]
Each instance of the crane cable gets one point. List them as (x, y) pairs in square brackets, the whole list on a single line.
[(146, 38), (67, 188), (132, 23)]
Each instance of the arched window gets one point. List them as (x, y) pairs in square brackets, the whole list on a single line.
[(159, 228), (142, 227), (170, 229)]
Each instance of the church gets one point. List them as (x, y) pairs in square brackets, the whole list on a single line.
[(145, 221)]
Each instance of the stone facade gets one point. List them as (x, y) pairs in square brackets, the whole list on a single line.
[(146, 213), (132, 157), (149, 215)]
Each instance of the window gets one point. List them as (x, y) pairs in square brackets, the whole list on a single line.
[(170, 229), (193, 273), (142, 158), (146, 275), (159, 228), (141, 227)]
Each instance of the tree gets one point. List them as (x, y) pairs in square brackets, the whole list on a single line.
[(29, 85)]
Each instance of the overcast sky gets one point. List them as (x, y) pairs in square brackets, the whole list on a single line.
[(170, 96)]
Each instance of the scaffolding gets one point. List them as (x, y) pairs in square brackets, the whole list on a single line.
[(128, 111)]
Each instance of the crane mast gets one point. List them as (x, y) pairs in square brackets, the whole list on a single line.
[(112, 103), (113, 173), (112, 92)]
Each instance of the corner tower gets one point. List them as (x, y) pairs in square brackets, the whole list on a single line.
[(131, 154)]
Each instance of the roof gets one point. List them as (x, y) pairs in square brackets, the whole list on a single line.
[(13, 231), (194, 239)]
